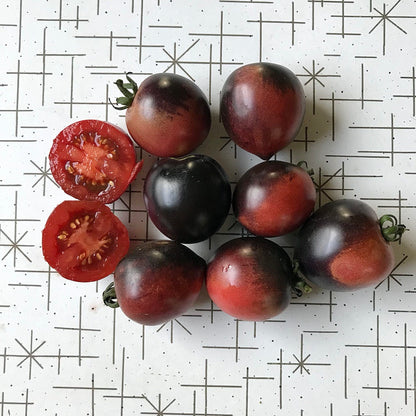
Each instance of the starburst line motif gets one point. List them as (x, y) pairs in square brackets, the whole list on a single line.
[(171, 325), (175, 61), (159, 411), (15, 246), (14, 243), (314, 76), (323, 186), (393, 276), (43, 173), (386, 17), (300, 364)]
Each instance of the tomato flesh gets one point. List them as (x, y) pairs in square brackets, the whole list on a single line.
[(93, 160), (84, 241)]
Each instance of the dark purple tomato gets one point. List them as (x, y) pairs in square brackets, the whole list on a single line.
[(167, 115), (262, 107), (187, 198), (342, 246), (274, 198), (250, 278), (158, 281)]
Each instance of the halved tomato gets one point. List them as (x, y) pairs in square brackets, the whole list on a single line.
[(84, 241), (93, 160)]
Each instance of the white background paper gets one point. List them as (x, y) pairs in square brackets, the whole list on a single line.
[(62, 352)]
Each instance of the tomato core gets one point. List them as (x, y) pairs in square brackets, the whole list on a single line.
[(90, 156), (92, 248)]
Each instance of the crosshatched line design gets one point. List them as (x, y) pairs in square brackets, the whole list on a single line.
[(330, 353)]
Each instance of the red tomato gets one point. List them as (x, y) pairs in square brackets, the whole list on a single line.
[(343, 246), (250, 278), (156, 281), (262, 107), (84, 241), (93, 160), (274, 198), (167, 115)]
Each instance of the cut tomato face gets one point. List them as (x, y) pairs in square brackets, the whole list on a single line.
[(93, 160), (84, 241)]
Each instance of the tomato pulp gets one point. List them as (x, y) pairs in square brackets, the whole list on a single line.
[(93, 160), (84, 241)]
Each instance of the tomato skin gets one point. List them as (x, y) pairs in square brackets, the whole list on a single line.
[(341, 247), (116, 170), (158, 281), (262, 107), (187, 198), (102, 231), (169, 115), (249, 278), (274, 198)]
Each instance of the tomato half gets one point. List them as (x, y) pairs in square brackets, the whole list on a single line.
[(84, 241), (93, 160)]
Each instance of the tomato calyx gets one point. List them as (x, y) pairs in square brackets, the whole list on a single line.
[(128, 89), (110, 296), (298, 284), (304, 165), (390, 228)]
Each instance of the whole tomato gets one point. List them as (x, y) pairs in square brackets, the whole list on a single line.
[(344, 246), (262, 107), (274, 198), (156, 282), (250, 278), (167, 114), (187, 198)]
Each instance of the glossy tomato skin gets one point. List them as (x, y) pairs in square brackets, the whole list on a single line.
[(84, 241), (158, 281), (93, 160), (274, 198), (187, 198), (169, 116), (250, 278), (262, 107), (341, 247)]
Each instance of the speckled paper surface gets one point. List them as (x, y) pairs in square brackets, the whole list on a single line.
[(62, 352)]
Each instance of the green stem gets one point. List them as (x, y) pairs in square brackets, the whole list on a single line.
[(128, 89), (391, 230), (304, 165), (110, 297), (299, 285)]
